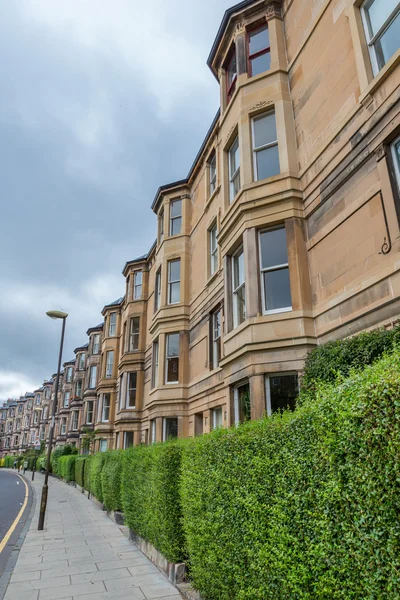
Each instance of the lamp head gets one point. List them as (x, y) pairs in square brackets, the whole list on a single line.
[(56, 314)]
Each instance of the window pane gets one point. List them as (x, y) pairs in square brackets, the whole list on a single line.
[(267, 162), (265, 130), (173, 369), (261, 63), (174, 270), (173, 345), (176, 226), (175, 293), (258, 40), (240, 305), (283, 391), (128, 439), (239, 269), (232, 68), (273, 248), (171, 428), (389, 42), (234, 157), (244, 403), (175, 208), (379, 11), (277, 289)]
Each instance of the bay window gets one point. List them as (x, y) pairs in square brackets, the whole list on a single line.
[(67, 396), (216, 417), (154, 368), (213, 241), (231, 75), (109, 364), (281, 392), (212, 174), (170, 428), (89, 413), (265, 146), (75, 420), (157, 291), (128, 439), (153, 431), (137, 285), (69, 375), (78, 388), (112, 324), (242, 406), (92, 377), (274, 267), (215, 338), (96, 343), (134, 334), (259, 51), (131, 390), (63, 426), (175, 217), (105, 414), (172, 358), (395, 149), (81, 362)]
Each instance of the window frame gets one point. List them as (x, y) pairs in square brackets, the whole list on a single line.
[(157, 290), (216, 341), (266, 50), (212, 173), (213, 417), (171, 283), (168, 358), (153, 431), (372, 39), (264, 146), (137, 286), (271, 269), (109, 373), (236, 173), (63, 426), (89, 402), (155, 363), (133, 335), (80, 382), (213, 251), (235, 320), (104, 407), (96, 346), (164, 427), (112, 324), (68, 377), (267, 377), (396, 162), (133, 439), (161, 226), (129, 389), (171, 218), (93, 368), (75, 425), (236, 399), (68, 400), (231, 87)]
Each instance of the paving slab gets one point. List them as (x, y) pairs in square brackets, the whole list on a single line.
[(81, 555)]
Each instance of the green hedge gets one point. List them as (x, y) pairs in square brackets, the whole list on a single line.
[(64, 450), (41, 462), (86, 472), (150, 496), (66, 467), (326, 362), (301, 505), (111, 479), (96, 466), (79, 469)]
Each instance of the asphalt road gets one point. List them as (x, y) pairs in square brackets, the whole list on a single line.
[(12, 497)]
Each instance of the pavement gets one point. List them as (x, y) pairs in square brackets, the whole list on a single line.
[(81, 555)]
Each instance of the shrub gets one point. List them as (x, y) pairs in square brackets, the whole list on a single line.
[(86, 472), (64, 450), (96, 466), (326, 362), (301, 505), (2, 460), (66, 467), (41, 462), (150, 495), (79, 469), (111, 479)]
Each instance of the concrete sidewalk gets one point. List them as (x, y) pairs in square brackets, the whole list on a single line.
[(81, 555)]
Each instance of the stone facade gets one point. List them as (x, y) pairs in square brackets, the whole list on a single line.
[(284, 234)]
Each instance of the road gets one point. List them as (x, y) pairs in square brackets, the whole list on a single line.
[(15, 502)]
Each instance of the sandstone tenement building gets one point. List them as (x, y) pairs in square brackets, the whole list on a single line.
[(283, 235)]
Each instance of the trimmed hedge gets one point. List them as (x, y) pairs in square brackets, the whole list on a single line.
[(66, 467), (301, 505), (41, 462), (111, 479), (79, 469), (150, 495), (86, 472), (96, 467), (64, 450), (326, 362)]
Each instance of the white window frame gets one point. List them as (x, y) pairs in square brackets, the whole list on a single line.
[(104, 407), (214, 416), (92, 377), (157, 290), (164, 423), (128, 389), (37, 400), (213, 240), (133, 439), (153, 431), (235, 290), (133, 336), (371, 40), (75, 420), (66, 399), (396, 161), (172, 219), (264, 146), (112, 324), (270, 269), (81, 361), (89, 402), (268, 387), (96, 343), (69, 375), (78, 382), (63, 426), (212, 174), (236, 173), (109, 364), (236, 411), (154, 366), (167, 358), (214, 328), (137, 285), (103, 445), (172, 282), (161, 225)]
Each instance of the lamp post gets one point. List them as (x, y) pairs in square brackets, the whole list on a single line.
[(53, 314)]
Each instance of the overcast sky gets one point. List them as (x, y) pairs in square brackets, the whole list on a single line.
[(101, 102)]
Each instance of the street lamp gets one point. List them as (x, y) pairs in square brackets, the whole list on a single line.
[(53, 314)]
